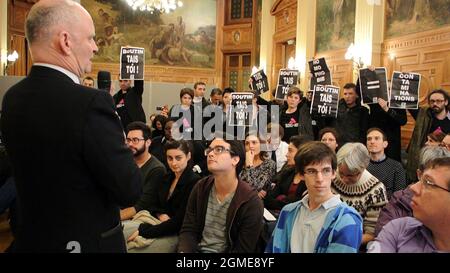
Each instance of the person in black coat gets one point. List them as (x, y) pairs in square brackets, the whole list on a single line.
[(128, 101), (66, 144), (173, 194)]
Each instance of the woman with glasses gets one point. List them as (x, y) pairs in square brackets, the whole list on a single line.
[(358, 188), (258, 170), (160, 231)]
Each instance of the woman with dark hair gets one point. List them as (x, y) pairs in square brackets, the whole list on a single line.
[(158, 126), (259, 169), (330, 137), (289, 187), (435, 138), (158, 231)]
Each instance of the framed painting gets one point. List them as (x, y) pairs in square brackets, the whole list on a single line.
[(335, 24), (185, 37), (411, 16)]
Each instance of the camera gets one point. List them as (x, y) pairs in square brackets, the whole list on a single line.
[(159, 108)]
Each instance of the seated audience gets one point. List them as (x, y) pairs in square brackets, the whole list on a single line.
[(289, 187), (276, 148), (330, 137), (358, 188), (400, 203), (258, 170), (387, 170), (320, 222), (446, 142), (138, 141), (157, 146), (167, 211), (224, 214), (88, 81), (435, 138), (158, 126), (428, 231)]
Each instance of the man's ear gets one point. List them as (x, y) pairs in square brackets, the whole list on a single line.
[(235, 160), (148, 142), (385, 144), (65, 42)]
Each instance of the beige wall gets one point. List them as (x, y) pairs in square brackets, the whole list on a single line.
[(3, 33)]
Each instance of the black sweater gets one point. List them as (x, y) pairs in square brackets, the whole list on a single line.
[(175, 206)]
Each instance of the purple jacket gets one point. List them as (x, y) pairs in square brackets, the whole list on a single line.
[(398, 207), (403, 235)]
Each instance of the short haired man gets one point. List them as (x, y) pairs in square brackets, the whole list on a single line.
[(138, 141), (428, 231), (215, 98), (352, 118), (387, 170), (434, 117), (320, 222), (71, 184), (88, 81), (128, 101), (224, 214), (199, 95)]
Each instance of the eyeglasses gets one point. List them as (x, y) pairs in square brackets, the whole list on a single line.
[(436, 101), (327, 172), (428, 183), (134, 140), (217, 150)]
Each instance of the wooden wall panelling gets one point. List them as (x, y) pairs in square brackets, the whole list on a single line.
[(237, 38), (285, 12), (17, 13), (427, 53), (341, 69)]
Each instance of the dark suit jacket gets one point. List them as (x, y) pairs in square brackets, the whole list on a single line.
[(133, 101), (71, 165)]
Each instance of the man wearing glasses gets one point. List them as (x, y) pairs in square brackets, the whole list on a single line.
[(429, 229), (224, 214), (429, 119), (138, 141), (320, 222)]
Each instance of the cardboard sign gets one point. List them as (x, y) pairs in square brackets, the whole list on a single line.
[(260, 83), (320, 73), (325, 100), (241, 109), (286, 79), (132, 63), (405, 90), (373, 85)]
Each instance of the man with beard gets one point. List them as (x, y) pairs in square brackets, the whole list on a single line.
[(429, 119), (152, 170)]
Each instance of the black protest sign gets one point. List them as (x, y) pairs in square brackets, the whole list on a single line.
[(405, 90), (286, 79), (132, 63), (320, 73), (241, 109), (325, 100), (373, 85), (259, 82)]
